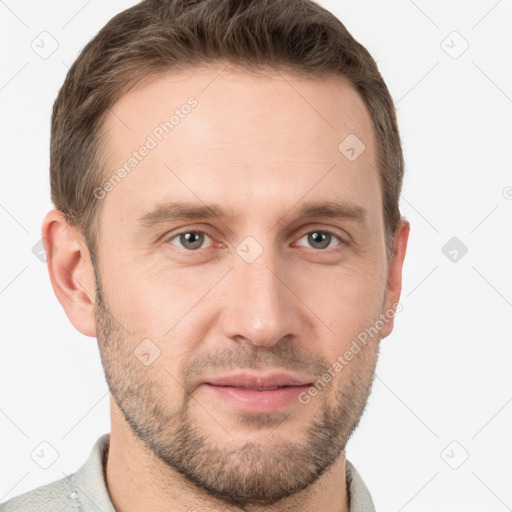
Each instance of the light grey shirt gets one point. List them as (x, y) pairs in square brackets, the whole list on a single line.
[(86, 489)]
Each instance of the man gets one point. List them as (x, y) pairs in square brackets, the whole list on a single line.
[(226, 178)]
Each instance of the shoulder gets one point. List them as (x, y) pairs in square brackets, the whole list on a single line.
[(360, 497), (52, 497), (85, 490)]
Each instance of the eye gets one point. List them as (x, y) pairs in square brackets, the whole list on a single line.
[(321, 239), (194, 240), (190, 240)]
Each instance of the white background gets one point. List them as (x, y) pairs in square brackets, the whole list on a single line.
[(444, 374)]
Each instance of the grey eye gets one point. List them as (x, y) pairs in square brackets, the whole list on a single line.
[(190, 240), (320, 239)]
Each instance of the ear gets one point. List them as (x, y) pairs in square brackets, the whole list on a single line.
[(394, 282), (71, 271)]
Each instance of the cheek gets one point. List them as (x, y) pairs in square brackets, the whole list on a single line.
[(165, 307), (348, 301), (149, 297)]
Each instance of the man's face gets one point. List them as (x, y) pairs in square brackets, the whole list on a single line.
[(261, 289)]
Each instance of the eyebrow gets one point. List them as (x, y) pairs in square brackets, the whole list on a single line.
[(188, 211)]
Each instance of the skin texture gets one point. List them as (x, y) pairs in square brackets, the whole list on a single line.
[(260, 146)]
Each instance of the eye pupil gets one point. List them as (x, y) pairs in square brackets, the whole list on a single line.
[(319, 237), (194, 239)]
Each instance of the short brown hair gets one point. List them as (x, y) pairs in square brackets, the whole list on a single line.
[(156, 36)]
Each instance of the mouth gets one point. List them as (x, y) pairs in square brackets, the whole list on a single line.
[(258, 393), (260, 382), (268, 388)]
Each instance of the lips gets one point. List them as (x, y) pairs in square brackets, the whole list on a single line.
[(254, 393), (259, 382)]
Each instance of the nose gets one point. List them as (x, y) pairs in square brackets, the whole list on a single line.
[(259, 304)]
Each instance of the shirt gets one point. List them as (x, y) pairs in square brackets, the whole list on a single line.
[(86, 489)]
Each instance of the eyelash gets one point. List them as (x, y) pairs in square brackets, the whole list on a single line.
[(325, 231)]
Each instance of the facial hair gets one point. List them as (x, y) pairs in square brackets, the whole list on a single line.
[(252, 474)]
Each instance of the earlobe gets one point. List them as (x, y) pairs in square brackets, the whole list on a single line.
[(394, 281), (71, 271)]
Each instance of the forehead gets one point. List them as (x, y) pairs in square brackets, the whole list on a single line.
[(237, 137)]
